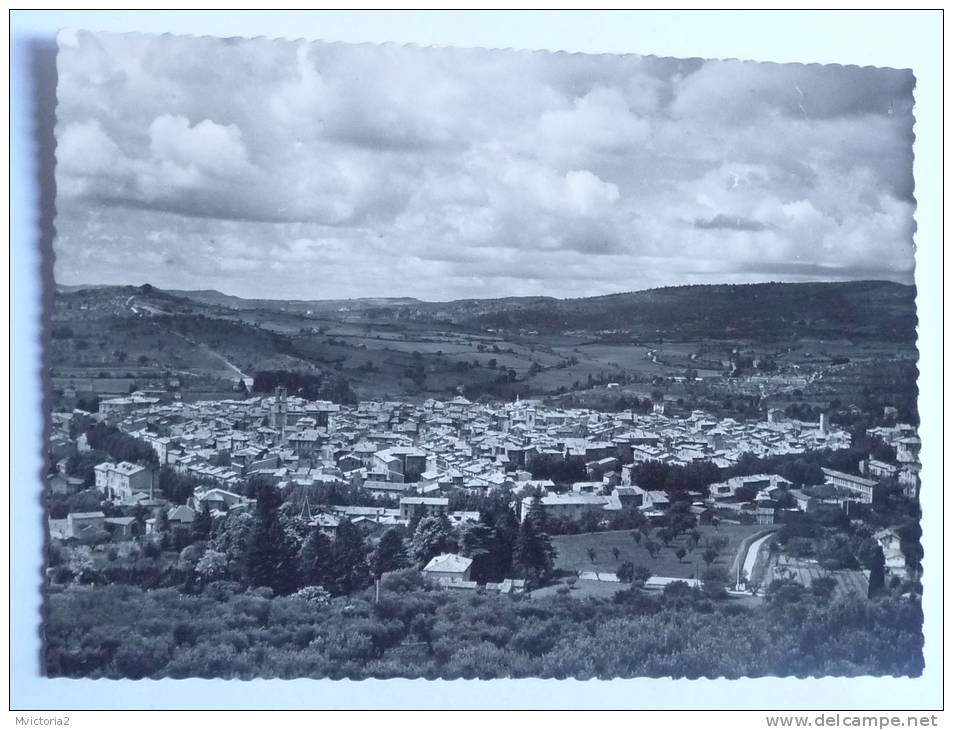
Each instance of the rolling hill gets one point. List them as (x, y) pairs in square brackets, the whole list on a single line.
[(409, 348)]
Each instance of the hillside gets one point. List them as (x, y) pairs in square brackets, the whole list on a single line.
[(816, 342), (862, 309), (859, 309)]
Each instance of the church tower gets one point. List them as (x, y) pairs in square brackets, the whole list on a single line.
[(279, 411)]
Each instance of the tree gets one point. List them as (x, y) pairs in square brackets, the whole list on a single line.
[(615, 553), (637, 536), (591, 552), (652, 548), (710, 555), (315, 559), (533, 553), (478, 542), (212, 566), (713, 582), (231, 539), (389, 554), (626, 572), (202, 524), (680, 554), (641, 574), (161, 528), (349, 568), (537, 514), (562, 470), (431, 538), (270, 556), (784, 592), (82, 465), (175, 487), (823, 587), (877, 576), (506, 529)]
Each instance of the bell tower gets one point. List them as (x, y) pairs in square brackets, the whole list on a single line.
[(279, 411)]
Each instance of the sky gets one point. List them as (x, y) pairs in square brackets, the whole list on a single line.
[(280, 169)]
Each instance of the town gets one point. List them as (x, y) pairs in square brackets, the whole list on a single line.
[(147, 468)]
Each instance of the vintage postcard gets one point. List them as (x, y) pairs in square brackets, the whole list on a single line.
[(377, 361)]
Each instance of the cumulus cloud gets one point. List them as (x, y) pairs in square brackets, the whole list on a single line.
[(730, 222), (292, 169)]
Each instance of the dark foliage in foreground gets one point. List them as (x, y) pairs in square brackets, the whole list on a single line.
[(416, 631)]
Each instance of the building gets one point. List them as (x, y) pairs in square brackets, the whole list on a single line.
[(879, 469), (909, 477), (864, 489), (895, 562), (400, 462), (121, 527), (752, 485), (218, 500), (85, 526), (387, 489), (112, 407), (566, 506), (449, 568), (279, 410), (908, 450), (181, 515), (423, 506), (119, 482)]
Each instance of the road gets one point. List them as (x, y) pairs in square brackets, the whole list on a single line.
[(247, 379), (217, 355), (752, 556)]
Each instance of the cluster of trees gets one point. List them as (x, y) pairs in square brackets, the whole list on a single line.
[(803, 411), (273, 548), (560, 469), (633, 403), (120, 446), (837, 543), (333, 493), (311, 386), (416, 631), (82, 465), (695, 477), (86, 500), (176, 487), (800, 469), (499, 545)]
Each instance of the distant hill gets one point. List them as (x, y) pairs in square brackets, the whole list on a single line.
[(879, 310), (217, 298), (866, 309)]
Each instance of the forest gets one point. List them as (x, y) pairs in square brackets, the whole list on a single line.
[(417, 630)]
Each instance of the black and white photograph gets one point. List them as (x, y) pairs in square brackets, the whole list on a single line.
[(399, 361)]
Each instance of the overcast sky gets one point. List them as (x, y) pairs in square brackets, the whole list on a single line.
[(306, 170)]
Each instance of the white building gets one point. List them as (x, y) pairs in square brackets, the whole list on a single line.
[(118, 482)]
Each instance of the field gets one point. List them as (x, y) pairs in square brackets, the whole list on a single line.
[(572, 551), (565, 351), (805, 571)]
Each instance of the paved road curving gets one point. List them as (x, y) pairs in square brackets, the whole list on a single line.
[(752, 555)]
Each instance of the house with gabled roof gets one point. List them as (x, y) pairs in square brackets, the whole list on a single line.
[(449, 568)]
